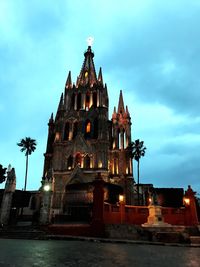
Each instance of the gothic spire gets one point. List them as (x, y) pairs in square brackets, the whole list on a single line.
[(88, 73), (69, 81), (100, 77), (121, 103)]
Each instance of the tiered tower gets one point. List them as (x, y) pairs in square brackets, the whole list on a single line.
[(121, 151), (82, 141)]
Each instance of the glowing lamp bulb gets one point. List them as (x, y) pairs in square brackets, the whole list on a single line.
[(121, 198), (47, 187), (187, 201)]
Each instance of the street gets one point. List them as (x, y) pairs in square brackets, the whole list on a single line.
[(25, 253)]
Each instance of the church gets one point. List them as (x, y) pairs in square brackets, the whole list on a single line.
[(83, 141)]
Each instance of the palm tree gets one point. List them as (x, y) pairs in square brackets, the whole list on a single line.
[(137, 153), (2, 174), (28, 146)]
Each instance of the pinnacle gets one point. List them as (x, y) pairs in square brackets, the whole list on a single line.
[(69, 81), (121, 103), (100, 77)]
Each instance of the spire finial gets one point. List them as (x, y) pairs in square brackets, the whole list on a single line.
[(100, 77), (88, 74), (90, 40), (121, 103), (69, 81)]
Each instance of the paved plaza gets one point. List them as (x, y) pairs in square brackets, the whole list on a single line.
[(23, 253)]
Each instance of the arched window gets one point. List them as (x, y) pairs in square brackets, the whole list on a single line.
[(95, 128), (73, 101), (95, 99), (79, 101), (66, 132), (87, 162), (88, 129), (75, 131), (78, 159), (87, 101), (70, 162)]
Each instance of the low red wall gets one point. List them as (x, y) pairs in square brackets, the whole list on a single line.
[(112, 214), (174, 216), (138, 215)]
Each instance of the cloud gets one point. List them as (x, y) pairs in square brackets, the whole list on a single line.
[(159, 58), (147, 48)]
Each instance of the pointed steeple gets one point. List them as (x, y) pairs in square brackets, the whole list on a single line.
[(69, 81), (121, 103), (51, 118), (100, 77), (88, 73), (114, 115)]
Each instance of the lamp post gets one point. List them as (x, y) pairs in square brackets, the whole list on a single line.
[(122, 208), (47, 190)]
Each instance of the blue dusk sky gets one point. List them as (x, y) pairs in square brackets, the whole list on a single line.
[(148, 49)]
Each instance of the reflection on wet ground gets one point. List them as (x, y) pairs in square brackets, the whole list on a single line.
[(83, 253)]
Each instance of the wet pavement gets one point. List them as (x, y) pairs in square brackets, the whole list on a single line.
[(48, 253)]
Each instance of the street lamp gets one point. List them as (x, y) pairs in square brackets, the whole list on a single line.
[(186, 201), (47, 187), (121, 198)]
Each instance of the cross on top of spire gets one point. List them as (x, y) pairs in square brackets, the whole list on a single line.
[(90, 40)]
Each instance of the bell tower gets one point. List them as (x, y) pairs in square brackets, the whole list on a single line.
[(120, 153)]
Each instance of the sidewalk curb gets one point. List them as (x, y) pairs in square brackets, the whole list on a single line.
[(118, 241)]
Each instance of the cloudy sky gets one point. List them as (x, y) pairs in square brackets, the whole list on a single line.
[(149, 49)]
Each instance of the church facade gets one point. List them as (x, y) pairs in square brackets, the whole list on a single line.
[(82, 142)]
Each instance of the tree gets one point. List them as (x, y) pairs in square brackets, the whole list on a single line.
[(28, 146), (2, 174), (137, 153)]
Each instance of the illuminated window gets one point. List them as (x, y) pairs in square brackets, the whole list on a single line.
[(86, 74), (88, 127)]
